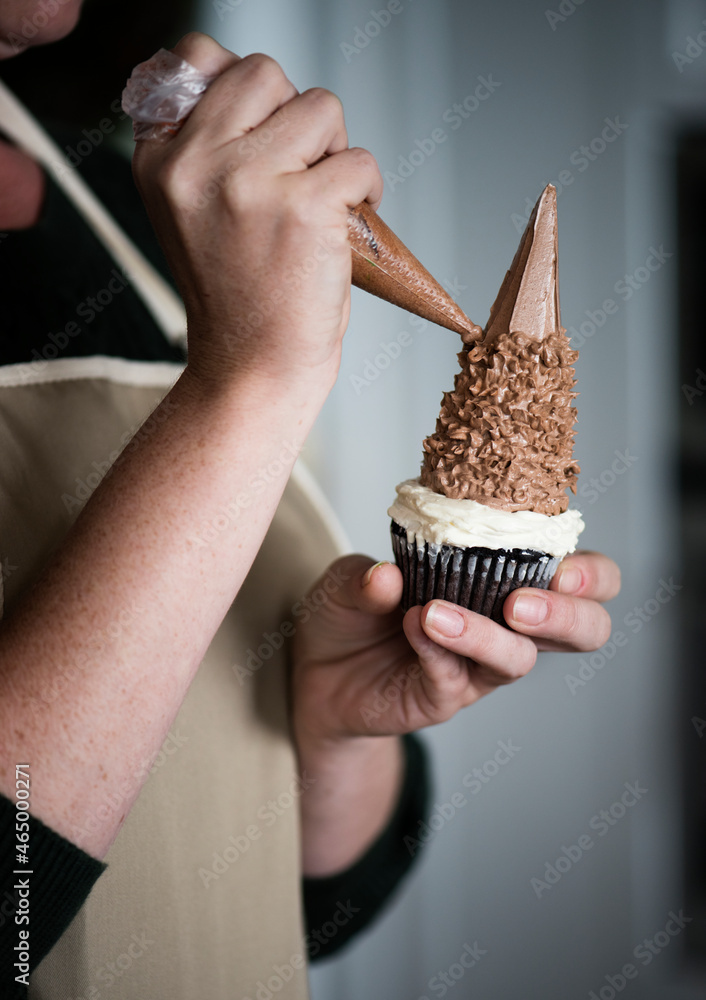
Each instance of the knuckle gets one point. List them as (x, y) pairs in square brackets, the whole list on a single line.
[(589, 574), (302, 209), (194, 47), (173, 175), (364, 159), (493, 644), (264, 68), (326, 101), (293, 208), (602, 576), (245, 191), (603, 629), (520, 661), (616, 582), (483, 637), (566, 617), (191, 40), (348, 565), (185, 184), (584, 624), (596, 573)]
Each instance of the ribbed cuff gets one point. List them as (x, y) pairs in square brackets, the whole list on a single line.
[(58, 876)]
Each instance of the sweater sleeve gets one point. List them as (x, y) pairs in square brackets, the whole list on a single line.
[(339, 906), (41, 890)]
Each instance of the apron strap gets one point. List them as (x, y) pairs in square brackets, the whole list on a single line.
[(158, 296)]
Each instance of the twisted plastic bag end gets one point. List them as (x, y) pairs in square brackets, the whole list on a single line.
[(161, 93)]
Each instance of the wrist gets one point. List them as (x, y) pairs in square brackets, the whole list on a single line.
[(340, 754), (355, 784), (261, 381)]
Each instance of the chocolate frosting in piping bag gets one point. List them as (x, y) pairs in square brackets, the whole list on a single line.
[(505, 434), (161, 94), (383, 266)]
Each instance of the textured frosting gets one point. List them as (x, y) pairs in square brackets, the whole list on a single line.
[(431, 517), (384, 266), (504, 436)]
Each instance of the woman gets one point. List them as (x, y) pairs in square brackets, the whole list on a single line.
[(180, 557)]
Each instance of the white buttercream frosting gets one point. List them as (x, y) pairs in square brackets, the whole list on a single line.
[(432, 517)]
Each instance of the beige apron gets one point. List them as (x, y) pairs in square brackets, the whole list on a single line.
[(202, 897)]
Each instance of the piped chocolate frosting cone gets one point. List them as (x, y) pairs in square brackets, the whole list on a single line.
[(504, 436), (384, 266), (528, 300)]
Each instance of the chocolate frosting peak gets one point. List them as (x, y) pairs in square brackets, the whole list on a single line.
[(505, 433), (528, 300)]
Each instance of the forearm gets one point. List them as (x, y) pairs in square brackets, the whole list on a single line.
[(96, 659), (355, 787)]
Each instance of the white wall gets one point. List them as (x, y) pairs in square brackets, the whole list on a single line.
[(558, 84)]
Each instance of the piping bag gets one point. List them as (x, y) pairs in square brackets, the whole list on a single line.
[(160, 95)]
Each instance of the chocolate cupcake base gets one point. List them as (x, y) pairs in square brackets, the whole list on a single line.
[(475, 578)]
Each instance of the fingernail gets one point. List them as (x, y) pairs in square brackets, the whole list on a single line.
[(369, 575), (530, 609), (569, 580), (444, 619)]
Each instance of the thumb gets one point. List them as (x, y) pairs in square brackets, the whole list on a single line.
[(358, 583)]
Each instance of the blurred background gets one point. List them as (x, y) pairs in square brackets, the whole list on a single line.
[(471, 108)]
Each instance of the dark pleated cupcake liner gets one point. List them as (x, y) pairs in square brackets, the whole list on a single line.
[(475, 578)]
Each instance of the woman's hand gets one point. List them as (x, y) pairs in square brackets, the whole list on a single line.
[(250, 201), (363, 674), (360, 668)]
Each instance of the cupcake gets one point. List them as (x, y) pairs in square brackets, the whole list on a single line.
[(489, 512)]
